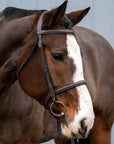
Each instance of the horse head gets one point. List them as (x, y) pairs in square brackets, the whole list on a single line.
[(63, 59)]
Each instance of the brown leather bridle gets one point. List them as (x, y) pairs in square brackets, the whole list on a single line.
[(53, 92), (39, 44)]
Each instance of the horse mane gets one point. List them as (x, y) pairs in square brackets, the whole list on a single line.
[(13, 12), (10, 13)]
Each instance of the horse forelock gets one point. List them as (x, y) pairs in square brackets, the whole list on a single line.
[(65, 21)]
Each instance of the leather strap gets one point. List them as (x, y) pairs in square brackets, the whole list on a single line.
[(70, 86), (44, 65), (59, 31), (63, 89)]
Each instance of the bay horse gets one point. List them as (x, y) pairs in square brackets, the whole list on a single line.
[(23, 119)]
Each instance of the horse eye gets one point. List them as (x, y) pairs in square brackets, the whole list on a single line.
[(58, 56)]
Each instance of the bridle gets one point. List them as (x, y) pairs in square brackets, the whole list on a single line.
[(39, 44)]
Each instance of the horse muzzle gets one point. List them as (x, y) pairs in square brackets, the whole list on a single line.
[(76, 130)]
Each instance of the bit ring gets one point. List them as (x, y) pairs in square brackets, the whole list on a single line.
[(55, 114)]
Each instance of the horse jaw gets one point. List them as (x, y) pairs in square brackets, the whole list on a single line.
[(85, 110)]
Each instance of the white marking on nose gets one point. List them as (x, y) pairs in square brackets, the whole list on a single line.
[(85, 109)]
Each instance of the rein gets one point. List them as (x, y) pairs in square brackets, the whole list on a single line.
[(53, 93)]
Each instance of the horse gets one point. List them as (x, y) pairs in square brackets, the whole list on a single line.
[(22, 118)]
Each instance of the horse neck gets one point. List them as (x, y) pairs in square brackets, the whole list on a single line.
[(13, 34), (5, 102), (50, 127), (14, 101)]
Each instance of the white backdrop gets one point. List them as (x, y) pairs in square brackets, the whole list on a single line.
[(99, 19)]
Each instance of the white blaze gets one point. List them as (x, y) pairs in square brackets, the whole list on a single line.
[(85, 109)]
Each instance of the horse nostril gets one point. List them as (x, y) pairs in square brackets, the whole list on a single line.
[(83, 129), (82, 122)]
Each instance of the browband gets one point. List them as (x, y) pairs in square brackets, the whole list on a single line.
[(59, 31)]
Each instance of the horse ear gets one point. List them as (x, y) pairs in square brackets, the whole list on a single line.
[(52, 17), (77, 16)]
